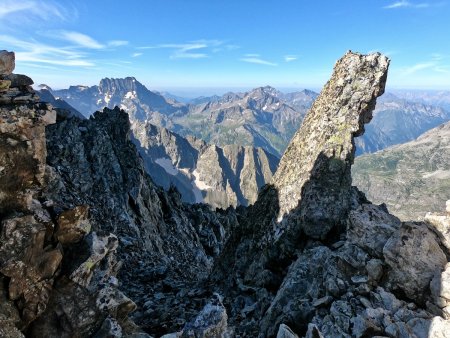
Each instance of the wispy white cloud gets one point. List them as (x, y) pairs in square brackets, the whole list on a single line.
[(183, 50), (36, 52), (197, 49), (135, 55), (79, 39), (409, 4), (258, 61), (226, 48), (252, 55), (117, 43), (442, 69), (10, 7), (436, 63), (290, 58), (24, 11), (418, 66)]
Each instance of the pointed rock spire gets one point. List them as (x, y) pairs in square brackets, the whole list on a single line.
[(313, 179)]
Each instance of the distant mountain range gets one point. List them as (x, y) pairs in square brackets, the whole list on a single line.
[(398, 121), (440, 98), (411, 178), (263, 117)]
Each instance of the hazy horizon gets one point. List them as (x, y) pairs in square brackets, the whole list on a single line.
[(195, 92)]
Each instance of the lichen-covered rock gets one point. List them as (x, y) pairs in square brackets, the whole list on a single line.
[(313, 178), (44, 245), (440, 290), (440, 224), (22, 153), (211, 322), (18, 80), (7, 62), (4, 85), (73, 224), (370, 227), (99, 247), (29, 263), (414, 256)]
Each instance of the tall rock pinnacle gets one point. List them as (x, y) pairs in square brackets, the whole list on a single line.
[(313, 179)]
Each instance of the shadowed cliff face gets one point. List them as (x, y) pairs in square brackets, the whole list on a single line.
[(203, 173)]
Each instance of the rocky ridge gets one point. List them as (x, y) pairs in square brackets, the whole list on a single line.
[(412, 178), (346, 269), (42, 291), (261, 117)]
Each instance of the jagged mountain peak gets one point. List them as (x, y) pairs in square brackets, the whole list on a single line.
[(119, 84), (44, 86), (263, 93), (79, 88)]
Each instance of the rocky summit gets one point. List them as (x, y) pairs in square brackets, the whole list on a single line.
[(90, 246)]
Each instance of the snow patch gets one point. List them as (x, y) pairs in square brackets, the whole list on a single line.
[(167, 165), (265, 107), (130, 95), (438, 174), (107, 98), (198, 182)]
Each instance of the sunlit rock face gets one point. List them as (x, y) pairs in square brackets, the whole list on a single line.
[(314, 176)]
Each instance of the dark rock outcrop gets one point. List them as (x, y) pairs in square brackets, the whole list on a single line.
[(45, 292)]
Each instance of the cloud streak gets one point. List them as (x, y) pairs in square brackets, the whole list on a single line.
[(290, 58), (197, 49), (419, 66), (25, 11), (33, 51), (408, 4), (183, 50), (117, 43), (435, 64), (257, 60), (79, 39)]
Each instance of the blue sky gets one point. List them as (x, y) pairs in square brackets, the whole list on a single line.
[(213, 45)]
